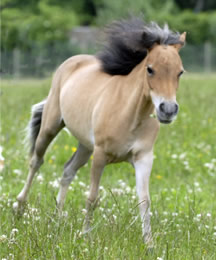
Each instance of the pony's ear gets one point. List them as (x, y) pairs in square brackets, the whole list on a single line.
[(182, 39)]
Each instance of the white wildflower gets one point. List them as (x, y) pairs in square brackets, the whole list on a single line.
[(3, 238), (196, 184), (190, 190), (86, 193), (40, 178), (26, 215), (82, 184), (14, 230), (128, 189), (37, 218), (209, 165), (114, 216), (54, 184), (182, 156), (84, 211), (33, 210), (196, 219), (122, 183), (117, 191), (17, 172), (133, 197)]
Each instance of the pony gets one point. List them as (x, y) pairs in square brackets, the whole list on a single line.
[(107, 102)]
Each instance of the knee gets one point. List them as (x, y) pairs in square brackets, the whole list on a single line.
[(36, 162), (91, 203), (92, 197), (68, 176)]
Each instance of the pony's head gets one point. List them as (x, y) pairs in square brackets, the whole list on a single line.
[(129, 42), (163, 70)]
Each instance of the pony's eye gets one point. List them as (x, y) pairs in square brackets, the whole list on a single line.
[(150, 71), (179, 75)]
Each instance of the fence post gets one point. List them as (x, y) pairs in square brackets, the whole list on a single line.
[(207, 56), (16, 62)]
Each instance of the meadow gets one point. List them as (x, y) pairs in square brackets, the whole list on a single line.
[(182, 187)]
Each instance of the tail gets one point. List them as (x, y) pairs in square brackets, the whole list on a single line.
[(34, 124)]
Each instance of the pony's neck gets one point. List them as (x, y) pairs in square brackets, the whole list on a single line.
[(142, 104)]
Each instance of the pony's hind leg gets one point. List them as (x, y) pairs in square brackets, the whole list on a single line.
[(98, 164), (79, 159), (41, 134)]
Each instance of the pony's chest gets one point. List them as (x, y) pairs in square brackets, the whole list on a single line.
[(124, 146)]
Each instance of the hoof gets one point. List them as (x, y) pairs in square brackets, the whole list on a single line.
[(148, 241), (18, 208), (87, 235), (150, 251), (86, 229)]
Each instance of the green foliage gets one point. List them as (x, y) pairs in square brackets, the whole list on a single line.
[(187, 20), (43, 24), (112, 10), (197, 6), (199, 27)]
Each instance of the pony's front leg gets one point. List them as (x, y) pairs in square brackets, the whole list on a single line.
[(98, 164), (143, 166)]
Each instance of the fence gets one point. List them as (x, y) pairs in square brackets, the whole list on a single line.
[(199, 58), (41, 61)]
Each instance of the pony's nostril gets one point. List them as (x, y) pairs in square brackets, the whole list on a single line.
[(162, 107), (176, 108)]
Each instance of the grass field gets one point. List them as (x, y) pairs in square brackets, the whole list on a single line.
[(182, 186)]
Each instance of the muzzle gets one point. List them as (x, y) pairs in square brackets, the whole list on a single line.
[(167, 111)]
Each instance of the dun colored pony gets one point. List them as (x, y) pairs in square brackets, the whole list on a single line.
[(106, 101)]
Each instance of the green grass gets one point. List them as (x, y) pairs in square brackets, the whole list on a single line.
[(182, 186)]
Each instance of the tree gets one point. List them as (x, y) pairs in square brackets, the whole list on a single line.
[(197, 5), (41, 22)]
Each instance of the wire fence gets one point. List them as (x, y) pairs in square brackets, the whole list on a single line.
[(40, 61)]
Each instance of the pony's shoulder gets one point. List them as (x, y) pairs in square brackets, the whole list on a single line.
[(80, 60)]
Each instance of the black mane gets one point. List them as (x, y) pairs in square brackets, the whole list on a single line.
[(128, 42)]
